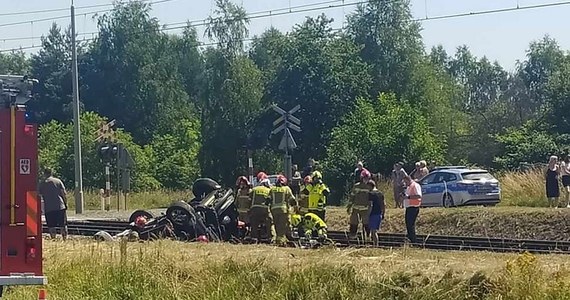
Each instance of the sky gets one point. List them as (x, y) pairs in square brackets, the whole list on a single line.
[(503, 37)]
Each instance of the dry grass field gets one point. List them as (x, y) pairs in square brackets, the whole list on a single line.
[(84, 269)]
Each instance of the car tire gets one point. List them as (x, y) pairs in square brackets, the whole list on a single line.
[(448, 201), (180, 214), (140, 213), (204, 186)]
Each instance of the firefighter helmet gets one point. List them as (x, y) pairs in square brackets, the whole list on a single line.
[(261, 176), (282, 180), (242, 180)]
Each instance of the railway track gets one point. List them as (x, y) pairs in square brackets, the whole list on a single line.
[(387, 240)]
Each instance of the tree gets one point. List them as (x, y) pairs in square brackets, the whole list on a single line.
[(56, 151), (130, 73), (14, 63), (52, 67), (391, 40), (557, 110), (229, 27), (321, 71), (379, 132)]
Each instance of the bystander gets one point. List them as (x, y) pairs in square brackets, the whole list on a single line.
[(52, 192)]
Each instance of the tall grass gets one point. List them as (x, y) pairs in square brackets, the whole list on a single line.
[(164, 270), (139, 200), (524, 188)]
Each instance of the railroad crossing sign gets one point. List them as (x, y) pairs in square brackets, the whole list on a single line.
[(290, 122), (106, 132)]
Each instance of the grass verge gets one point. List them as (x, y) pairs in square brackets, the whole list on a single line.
[(507, 222), (172, 270)]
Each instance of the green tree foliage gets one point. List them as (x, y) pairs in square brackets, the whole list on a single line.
[(130, 73), (14, 63), (189, 111), (56, 152), (321, 71), (380, 132)]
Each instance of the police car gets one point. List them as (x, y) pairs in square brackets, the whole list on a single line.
[(450, 187)]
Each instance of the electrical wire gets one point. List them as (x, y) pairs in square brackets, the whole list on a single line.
[(442, 17), (67, 15), (204, 22), (32, 12)]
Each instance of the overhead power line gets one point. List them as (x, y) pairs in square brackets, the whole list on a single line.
[(32, 12), (203, 22), (494, 11), (67, 15), (270, 14)]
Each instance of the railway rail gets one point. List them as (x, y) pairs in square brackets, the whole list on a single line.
[(387, 240)]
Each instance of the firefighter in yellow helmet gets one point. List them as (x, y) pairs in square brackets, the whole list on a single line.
[(281, 199), (243, 200), (359, 204), (318, 193), (259, 212), (303, 201), (310, 226)]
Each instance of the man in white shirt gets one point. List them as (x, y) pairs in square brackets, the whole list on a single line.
[(412, 203)]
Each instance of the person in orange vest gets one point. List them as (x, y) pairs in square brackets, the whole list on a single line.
[(412, 203), (243, 201)]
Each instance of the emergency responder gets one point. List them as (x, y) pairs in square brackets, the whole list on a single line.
[(281, 199), (358, 170), (310, 226), (310, 168), (318, 193), (296, 181), (259, 213), (243, 201), (359, 204), (303, 200), (412, 203)]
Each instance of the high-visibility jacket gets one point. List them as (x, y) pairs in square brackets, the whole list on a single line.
[(317, 196), (243, 201), (313, 223), (359, 196), (414, 195), (259, 196), (281, 198)]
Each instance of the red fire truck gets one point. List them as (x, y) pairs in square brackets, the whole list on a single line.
[(20, 208)]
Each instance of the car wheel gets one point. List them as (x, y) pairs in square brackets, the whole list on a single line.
[(180, 213), (448, 201), (140, 213)]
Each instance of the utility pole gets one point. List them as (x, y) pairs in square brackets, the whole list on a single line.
[(76, 126)]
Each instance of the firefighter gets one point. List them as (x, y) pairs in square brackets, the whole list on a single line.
[(303, 201), (359, 204), (281, 199), (296, 181), (259, 213), (243, 200), (318, 193), (310, 226)]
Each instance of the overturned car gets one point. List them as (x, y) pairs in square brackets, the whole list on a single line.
[(210, 216)]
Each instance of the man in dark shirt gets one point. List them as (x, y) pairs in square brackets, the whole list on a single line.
[(52, 192), (377, 210)]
